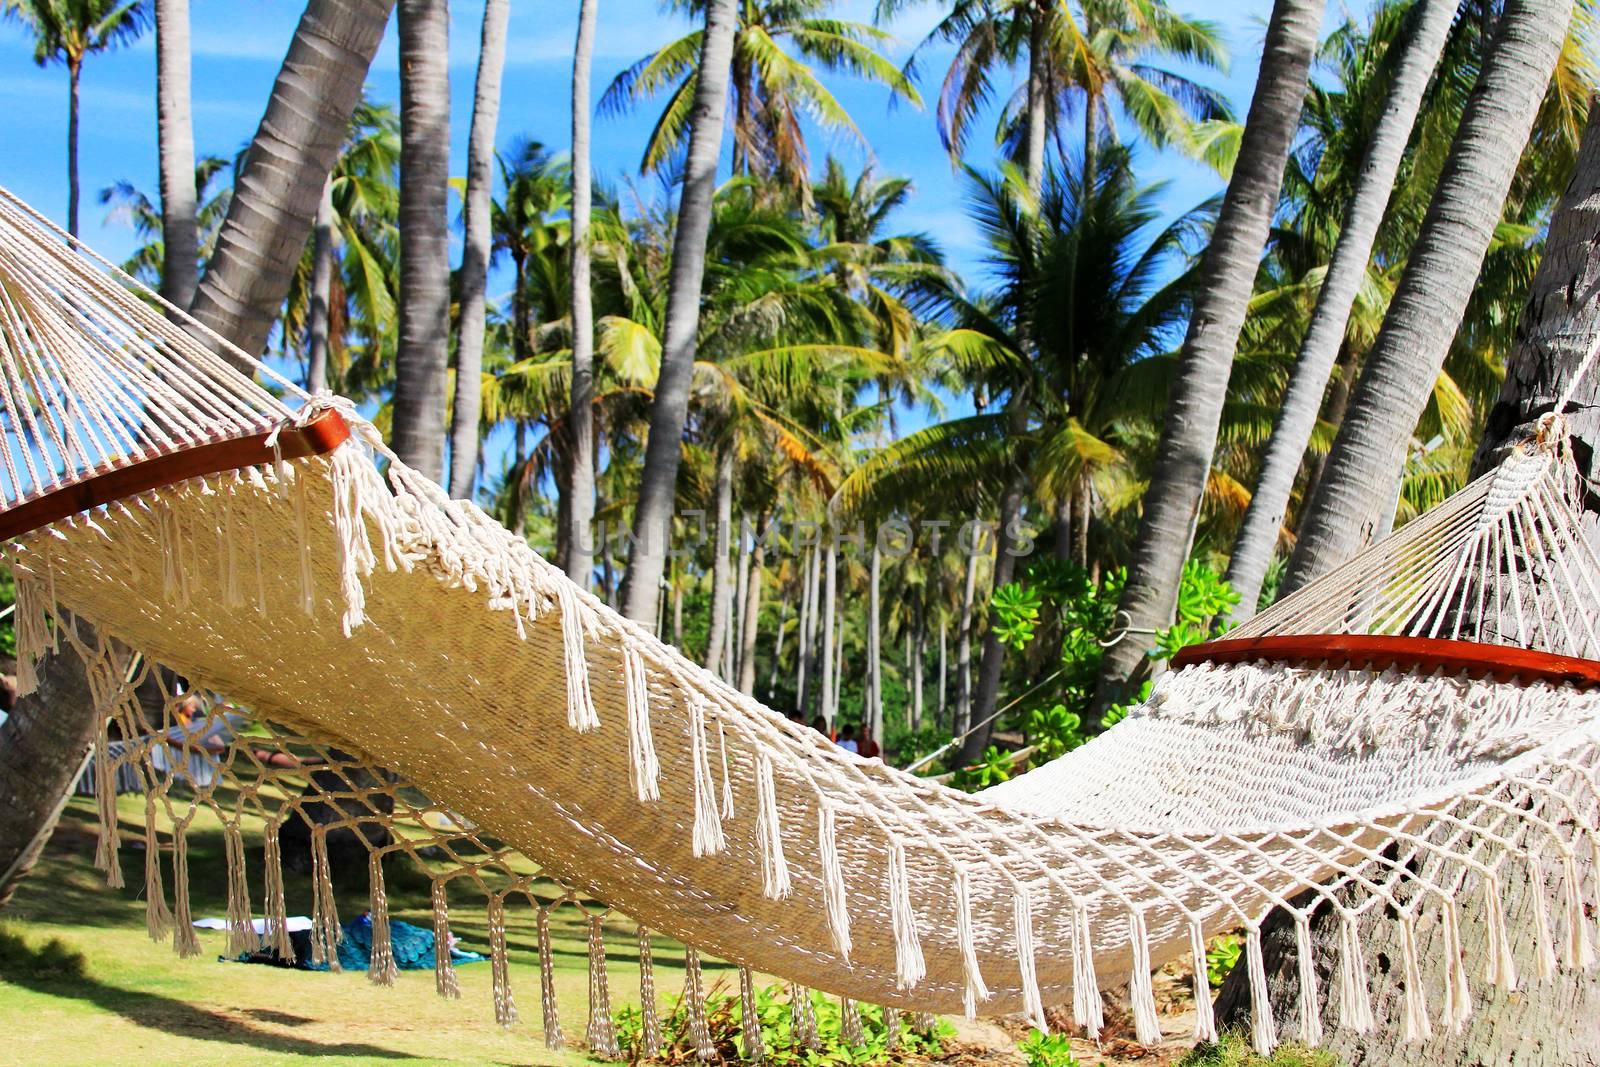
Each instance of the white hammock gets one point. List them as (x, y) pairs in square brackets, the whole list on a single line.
[(265, 557)]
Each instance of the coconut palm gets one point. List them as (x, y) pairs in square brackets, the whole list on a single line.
[(1081, 59), (180, 239), (69, 32), (422, 352), (475, 249), (259, 246), (1358, 488), (580, 508), (1407, 78), (776, 45), (129, 206), (658, 481), (1194, 408)]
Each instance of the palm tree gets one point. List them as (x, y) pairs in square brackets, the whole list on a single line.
[(1194, 408), (1407, 79), (316, 92), (580, 509), (476, 248), (670, 409), (180, 238), (772, 84), (1357, 488), (68, 32), (1104, 52), (422, 355), (132, 207)]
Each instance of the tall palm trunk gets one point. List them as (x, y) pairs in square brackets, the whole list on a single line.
[(919, 640), (1560, 323), (830, 591), (944, 663), (417, 434), (74, 77), (1194, 408), (721, 587), (1005, 561), (1302, 400), (874, 702), (294, 148), (1426, 310), (317, 316), (663, 451), (180, 233), (802, 652), (777, 647), (1038, 90), (580, 416), (752, 611), (964, 648), (474, 274), (741, 585), (257, 251)]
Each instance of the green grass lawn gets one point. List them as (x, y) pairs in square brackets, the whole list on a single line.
[(81, 983)]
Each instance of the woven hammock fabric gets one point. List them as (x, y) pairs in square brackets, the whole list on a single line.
[(421, 646)]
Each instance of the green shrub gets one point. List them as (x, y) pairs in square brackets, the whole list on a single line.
[(1233, 1050), (725, 1023), (1047, 1050)]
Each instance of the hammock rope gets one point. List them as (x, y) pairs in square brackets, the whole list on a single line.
[(422, 651)]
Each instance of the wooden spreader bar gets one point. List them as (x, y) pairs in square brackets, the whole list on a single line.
[(319, 436), (1376, 652)]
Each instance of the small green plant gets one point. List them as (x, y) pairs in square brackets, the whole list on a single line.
[(1055, 730), (996, 767), (1047, 1050), (1222, 954), (1017, 612), (1202, 595), (725, 1023), (1233, 1049)]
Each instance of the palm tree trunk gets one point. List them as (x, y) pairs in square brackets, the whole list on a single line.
[(802, 652), (74, 76), (721, 588), (830, 592), (670, 409), (741, 585), (777, 646), (259, 246), (1302, 400), (1038, 88), (317, 316), (752, 611), (944, 662), (1063, 528), (417, 434), (1194, 409), (993, 657), (964, 648), (474, 274), (245, 284), (1345, 372), (874, 702), (580, 417), (180, 235), (1427, 307), (1560, 323), (677, 609), (1081, 510), (918, 657), (42, 744)]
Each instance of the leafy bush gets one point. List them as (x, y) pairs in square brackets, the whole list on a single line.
[(725, 1022), (995, 768), (1233, 1050), (1222, 953), (1047, 1050)]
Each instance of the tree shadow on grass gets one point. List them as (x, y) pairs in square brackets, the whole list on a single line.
[(57, 970)]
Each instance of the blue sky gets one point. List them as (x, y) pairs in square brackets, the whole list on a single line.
[(238, 45)]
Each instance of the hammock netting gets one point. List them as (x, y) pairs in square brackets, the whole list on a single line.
[(1412, 731)]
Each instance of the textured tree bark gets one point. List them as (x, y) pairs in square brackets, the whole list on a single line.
[(74, 77), (752, 612), (874, 710), (42, 744), (294, 149), (721, 586), (1432, 296), (422, 352), (474, 273), (317, 317), (740, 588), (180, 235), (1556, 1022), (1194, 409), (969, 594), (830, 611), (580, 417), (993, 656), (802, 650), (1302, 400), (658, 481)]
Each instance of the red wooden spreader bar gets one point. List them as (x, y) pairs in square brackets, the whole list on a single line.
[(319, 436), (1380, 651)]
